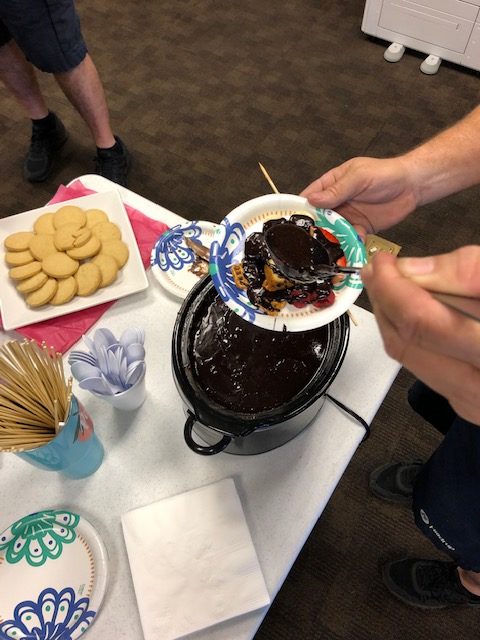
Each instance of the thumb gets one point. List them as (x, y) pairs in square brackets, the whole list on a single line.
[(332, 196), (455, 272), (335, 187)]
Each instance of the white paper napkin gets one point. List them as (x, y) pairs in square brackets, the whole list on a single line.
[(193, 562)]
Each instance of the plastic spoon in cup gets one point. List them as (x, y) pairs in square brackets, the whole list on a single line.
[(135, 371), (132, 335), (98, 385), (83, 370), (135, 351)]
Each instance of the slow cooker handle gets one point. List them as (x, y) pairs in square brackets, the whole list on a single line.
[(203, 450)]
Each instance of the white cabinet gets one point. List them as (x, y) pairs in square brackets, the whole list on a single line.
[(449, 29)]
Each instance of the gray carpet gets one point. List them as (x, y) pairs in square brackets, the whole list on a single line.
[(201, 91)]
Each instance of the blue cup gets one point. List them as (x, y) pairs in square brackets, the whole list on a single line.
[(75, 451)]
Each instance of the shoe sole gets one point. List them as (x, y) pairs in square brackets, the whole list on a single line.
[(45, 175)]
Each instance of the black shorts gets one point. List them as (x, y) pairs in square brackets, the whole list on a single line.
[(47, 31), (446, 497)]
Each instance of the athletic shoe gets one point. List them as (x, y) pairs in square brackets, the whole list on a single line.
[(394, 481), (427, 584), (45, 144), (114, 163)]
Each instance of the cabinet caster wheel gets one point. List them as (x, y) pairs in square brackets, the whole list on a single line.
[(394, 52), (430, 65)]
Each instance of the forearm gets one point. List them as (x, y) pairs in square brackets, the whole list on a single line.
[(447, 163)]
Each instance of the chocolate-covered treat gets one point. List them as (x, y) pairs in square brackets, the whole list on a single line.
[(268, 288)]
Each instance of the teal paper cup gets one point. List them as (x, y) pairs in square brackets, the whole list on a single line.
[(75, 451)]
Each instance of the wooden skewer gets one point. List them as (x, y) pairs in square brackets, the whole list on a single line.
[(34, 396), (55, 407), (268, 178), (31, 365)]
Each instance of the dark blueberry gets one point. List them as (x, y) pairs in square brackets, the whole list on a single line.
[(272, 223), (255, 247)]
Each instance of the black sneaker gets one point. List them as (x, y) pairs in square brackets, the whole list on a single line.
[(427, 584), (44, 147), (394, 481), (114, 164)]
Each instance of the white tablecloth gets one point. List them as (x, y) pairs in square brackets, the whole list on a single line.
[(283, 492)]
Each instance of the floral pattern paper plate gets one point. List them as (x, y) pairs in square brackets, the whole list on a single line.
[(227, 249), (174, 263), (53, 576)]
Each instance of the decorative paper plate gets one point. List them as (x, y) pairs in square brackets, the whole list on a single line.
[(227, 249), (174, 263), (130, 279), (53, 576)]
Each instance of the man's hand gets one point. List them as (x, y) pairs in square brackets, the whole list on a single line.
[(439, 345), (372, 194)]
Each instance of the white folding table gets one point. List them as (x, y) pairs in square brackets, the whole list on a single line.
[(283, 491)]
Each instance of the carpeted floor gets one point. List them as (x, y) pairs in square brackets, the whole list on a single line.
[(201, 91)]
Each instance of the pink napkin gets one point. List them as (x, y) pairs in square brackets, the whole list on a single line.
[(65, 331)]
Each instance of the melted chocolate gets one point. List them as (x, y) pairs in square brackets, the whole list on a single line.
[(295, 252), (249, 369)]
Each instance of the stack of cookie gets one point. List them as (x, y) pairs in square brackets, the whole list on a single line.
[(69, 253)]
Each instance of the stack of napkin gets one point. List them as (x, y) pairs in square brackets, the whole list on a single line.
[(193, 562)]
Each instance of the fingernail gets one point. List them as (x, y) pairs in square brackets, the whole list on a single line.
[(416, 266)]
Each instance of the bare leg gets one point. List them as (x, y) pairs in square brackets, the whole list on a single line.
[(470, 580), (19, 77), (83, 88)]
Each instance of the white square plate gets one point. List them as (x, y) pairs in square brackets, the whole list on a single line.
[(130, 279)]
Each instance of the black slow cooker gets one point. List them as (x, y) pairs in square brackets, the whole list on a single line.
[(224, 423)]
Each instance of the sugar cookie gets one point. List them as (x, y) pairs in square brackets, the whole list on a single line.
[(108, 267), (107, 231), (43, 295), (18, 241), (70, 236), (44, 224), (117, 249), (59, 265), (17, 258), (69, 215), (66, 290), (88, 279), (42, 246), (88, 250), (33, 283), (25, 271), (82, 236), (94, 216)]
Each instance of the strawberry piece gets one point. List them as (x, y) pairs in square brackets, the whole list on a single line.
[(325, 302), (329, 236)]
